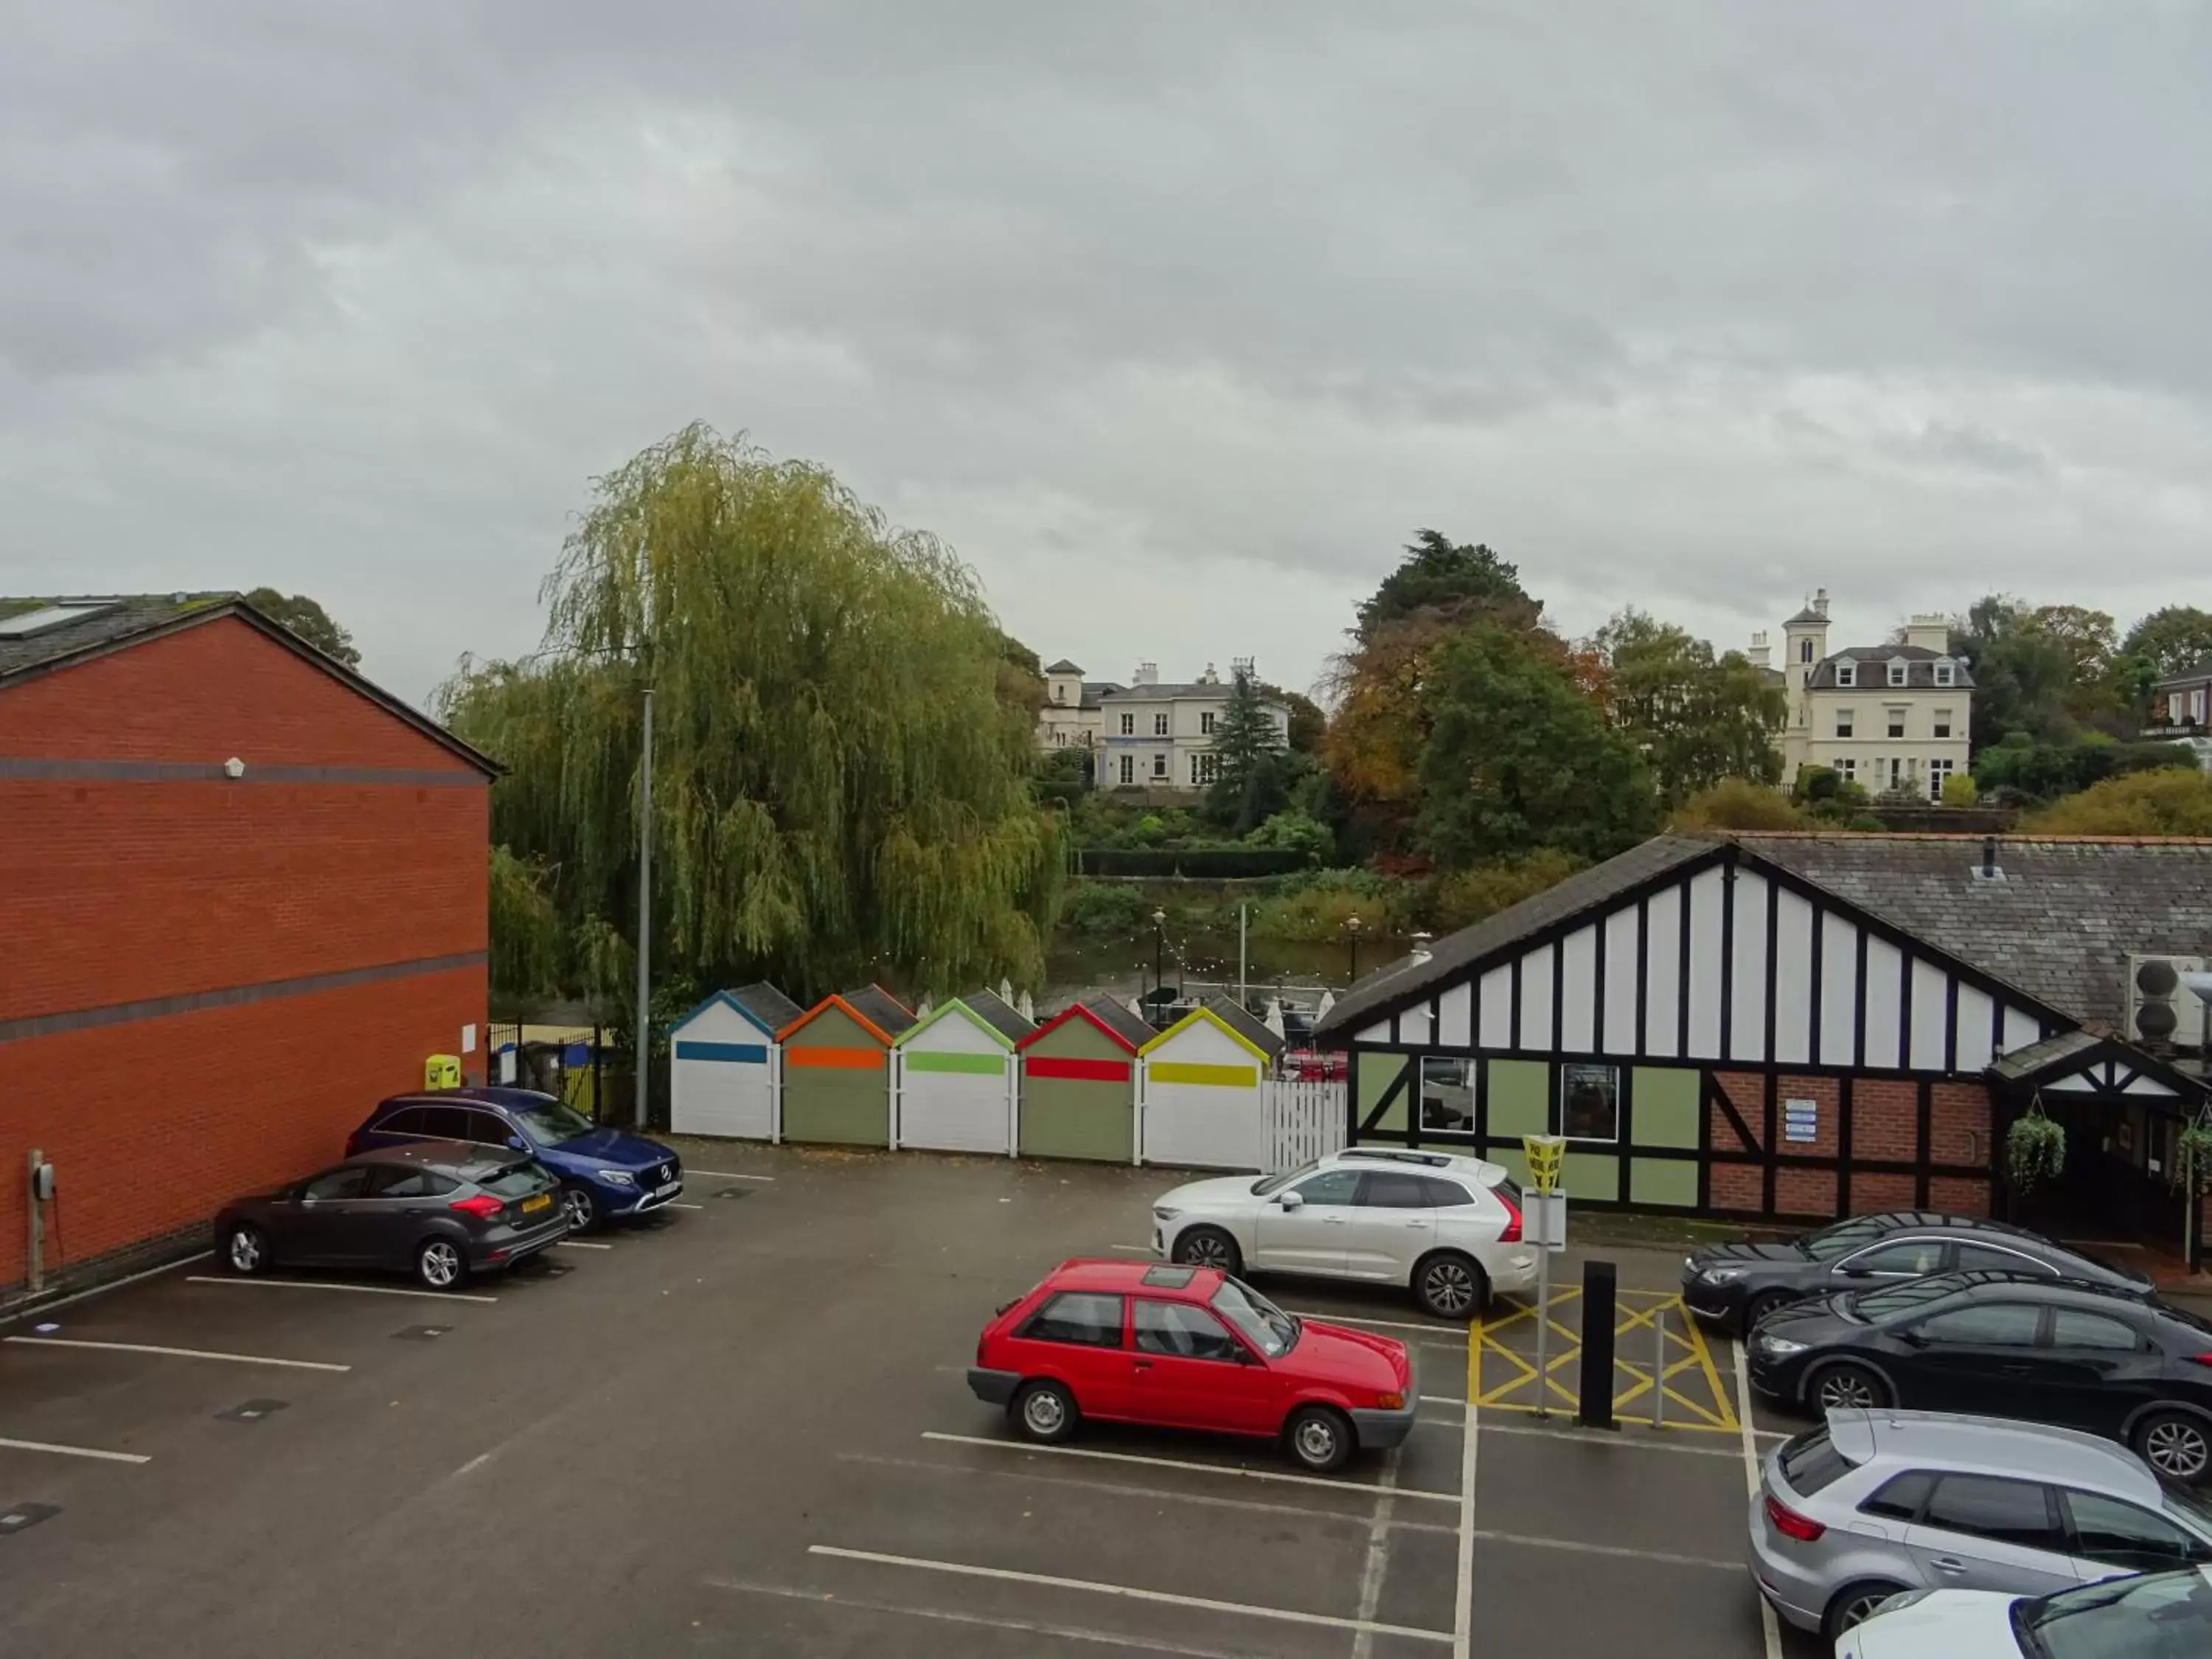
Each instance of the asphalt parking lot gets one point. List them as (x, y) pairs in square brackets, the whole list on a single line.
[(744, 1427)]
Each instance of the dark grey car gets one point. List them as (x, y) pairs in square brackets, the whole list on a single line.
[(440, 1210)]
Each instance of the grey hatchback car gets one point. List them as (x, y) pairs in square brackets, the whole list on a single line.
[(439, 1209), (1876, 1504)]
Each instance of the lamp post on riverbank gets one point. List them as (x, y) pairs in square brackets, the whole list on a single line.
[(1352, 935), (1159, 961)]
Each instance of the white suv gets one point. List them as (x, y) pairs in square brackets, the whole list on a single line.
[(1449, 1227)]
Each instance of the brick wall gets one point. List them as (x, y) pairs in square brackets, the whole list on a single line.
[(1958, 1124), (206, 694), (1884, 1124), (124, 891), (151, 1125)]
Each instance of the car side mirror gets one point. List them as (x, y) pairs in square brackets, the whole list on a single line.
[(518, 1143), (1912, 1339), (1290, 1200)]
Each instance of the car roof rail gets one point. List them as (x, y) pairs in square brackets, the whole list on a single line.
[(1427, 1160)]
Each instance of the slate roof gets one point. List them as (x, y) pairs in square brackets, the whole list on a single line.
[(1117, 1018), (766, 1005), (1807, 615), (2059, 927), (2194, 674), (1165, 692), (1240, 1020), (1094, 693), (1001, 1016), (1579, 891), (1874, 662), (880, 1008), (128, 619), (2026, 1062), (1063, 666)]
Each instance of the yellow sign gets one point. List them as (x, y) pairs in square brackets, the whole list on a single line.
[(441, 1071), (1546, 1153)]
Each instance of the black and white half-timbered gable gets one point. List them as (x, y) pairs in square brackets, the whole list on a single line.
[(1802, 1025)]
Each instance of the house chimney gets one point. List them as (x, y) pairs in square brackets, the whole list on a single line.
[(1758, 653), (1988, 858), (1929, 631), (1148, 673), (1820, 602)]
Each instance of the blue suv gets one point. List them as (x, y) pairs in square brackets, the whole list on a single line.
[(602, 1172)]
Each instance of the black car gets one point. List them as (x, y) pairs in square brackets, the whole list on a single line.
[(1736, 1285), (2004, 1345), (439, 1209)]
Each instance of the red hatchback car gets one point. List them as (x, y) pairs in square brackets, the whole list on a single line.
[(1185, 1347)]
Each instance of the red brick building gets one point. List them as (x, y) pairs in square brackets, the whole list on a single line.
[(243, 896), (1807, 1026)]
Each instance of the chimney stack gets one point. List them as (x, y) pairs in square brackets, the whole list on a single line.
[(1758, 654), (1820, 602)]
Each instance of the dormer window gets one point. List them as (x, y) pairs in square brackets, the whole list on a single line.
[(1946, 673), (1847, 673), (1899, 669)]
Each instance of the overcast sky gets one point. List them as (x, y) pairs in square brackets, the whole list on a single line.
[(1176, 320)]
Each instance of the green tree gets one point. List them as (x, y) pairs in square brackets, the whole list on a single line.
[(2021, 673), (1695, 718), (2089, 641), (2169, 801), (1738, 804), (1249, 786), (304, 617), (1309, 726), (2170, 639), (1448, 581), (1517, 759), (839, 791), (1021, 677)]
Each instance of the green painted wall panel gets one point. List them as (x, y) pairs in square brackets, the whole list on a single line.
[(1520, 1096), (1376, 1074), (1662, 1181), (1078, 1039), (852, 1109), (1591, 1175), (1069, 1117), (1668, 1104), (833, 1028), (1515, 1162), (923, 1059)]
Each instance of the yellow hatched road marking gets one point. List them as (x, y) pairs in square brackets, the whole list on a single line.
[(1688, 1357)]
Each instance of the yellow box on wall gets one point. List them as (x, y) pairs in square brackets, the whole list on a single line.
[(442, 1072)]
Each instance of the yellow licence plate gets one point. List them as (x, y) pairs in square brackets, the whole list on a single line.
[(538, 1203)]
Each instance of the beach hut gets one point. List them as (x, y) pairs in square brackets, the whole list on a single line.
[(955, 1078), (1204, 1103), (1080, 1083), (836, 1084), (725, 1065)]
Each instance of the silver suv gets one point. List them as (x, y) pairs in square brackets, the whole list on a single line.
[(1879, 1503)]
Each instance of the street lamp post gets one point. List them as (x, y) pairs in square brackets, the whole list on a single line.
[(1159, 959), (1352, 933)]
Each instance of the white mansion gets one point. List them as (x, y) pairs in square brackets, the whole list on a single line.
[(1147, 734)]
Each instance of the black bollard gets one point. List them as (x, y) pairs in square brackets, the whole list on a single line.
[(1596, 1410)]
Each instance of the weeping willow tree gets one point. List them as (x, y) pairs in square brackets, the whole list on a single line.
[(840, 790)]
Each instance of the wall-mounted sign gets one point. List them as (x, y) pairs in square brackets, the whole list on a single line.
[(1801, 1119)]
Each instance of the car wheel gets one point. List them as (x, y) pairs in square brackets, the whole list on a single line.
[(441, 1264), (1759, 1306), (581, 1207), (1853, 1605), (1045, 1412), (1846, 1386), (1320, 1438), (245, 1250), (1449, 1285), (1209, 1247), (2177, 1445)]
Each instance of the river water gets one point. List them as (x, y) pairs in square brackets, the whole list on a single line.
[(1124, 966)]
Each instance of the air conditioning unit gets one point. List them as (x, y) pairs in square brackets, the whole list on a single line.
[(2161, 1010)]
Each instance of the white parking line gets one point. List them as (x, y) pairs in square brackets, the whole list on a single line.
[(581, 1244), (1142, 1462), (26, 1310), (177, 1353), (727, 1175), (1464, 1595), (333, 1284), (73, 1451), (1619, 1551), (1129, 1592), (989, 1621), (1768, 1627)]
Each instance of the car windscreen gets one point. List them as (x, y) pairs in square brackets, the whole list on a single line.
[(1265, 1326), (1811, 1462), (2151, 1617), (516, 1181), (553, 1122), (1893, 1299), (1266, 1186)]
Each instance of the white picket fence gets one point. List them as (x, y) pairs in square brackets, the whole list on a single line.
[(1306, 1121)]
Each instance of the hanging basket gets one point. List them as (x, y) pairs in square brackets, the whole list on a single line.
[(2192, 1155), (2035, 1149)]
